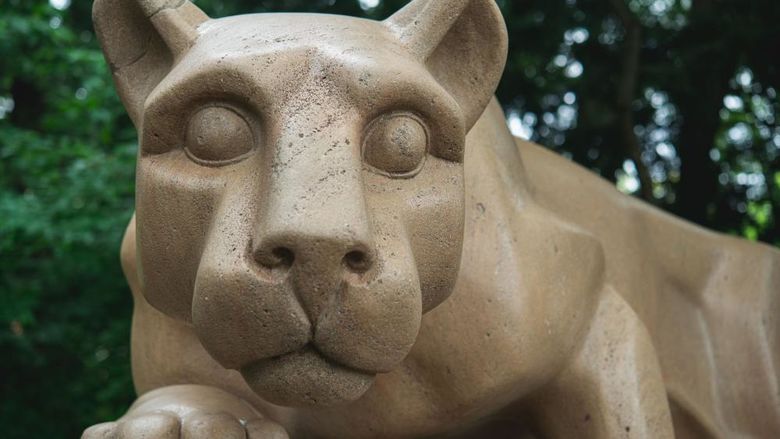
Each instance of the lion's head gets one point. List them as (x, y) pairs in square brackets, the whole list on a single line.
[(300, 178)]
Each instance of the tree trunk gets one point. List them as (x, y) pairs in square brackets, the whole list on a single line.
[(708, 64), (626, 94)]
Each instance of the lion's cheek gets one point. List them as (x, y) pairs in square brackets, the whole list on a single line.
[(433, 218), (174, 213)]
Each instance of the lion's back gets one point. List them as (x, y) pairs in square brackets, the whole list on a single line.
[(711, 302)]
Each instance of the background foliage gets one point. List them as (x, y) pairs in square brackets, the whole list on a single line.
[(674, 100)]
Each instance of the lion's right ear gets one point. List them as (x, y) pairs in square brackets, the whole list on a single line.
[(463, 43), (142, 39)]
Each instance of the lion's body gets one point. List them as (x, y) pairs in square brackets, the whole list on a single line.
[(529, 285)]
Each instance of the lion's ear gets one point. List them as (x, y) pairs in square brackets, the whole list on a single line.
[(142, 40), (462, 42)]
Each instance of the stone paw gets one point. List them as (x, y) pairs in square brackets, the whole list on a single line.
[(197, 425)]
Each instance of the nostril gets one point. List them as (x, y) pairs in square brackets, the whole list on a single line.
[(357, 261), (282, 257), (279, 257)]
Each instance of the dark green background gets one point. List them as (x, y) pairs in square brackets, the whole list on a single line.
[(675, 100)]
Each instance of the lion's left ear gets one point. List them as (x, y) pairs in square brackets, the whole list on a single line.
[(142, 40), (462, 42)]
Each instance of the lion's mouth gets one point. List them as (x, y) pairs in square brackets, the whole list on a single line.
[(306, 377)]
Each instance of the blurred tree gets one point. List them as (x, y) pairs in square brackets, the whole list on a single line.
[(674, 100), (66, 188)]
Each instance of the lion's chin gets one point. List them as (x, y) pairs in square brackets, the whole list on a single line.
[(306, 378)]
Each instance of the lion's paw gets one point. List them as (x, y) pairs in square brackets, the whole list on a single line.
[(165, 425)]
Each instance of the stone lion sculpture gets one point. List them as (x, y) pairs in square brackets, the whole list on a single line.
[(337, 237)]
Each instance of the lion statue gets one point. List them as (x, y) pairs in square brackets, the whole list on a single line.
[(336, 236)]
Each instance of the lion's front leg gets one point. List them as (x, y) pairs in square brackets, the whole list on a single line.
[(613, 388), (188, 411)]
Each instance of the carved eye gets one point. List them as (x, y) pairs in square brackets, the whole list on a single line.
[(218, 136), (396, 144)]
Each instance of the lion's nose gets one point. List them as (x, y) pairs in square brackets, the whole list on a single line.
[(318, 253), (317, 267), (313, 227)]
